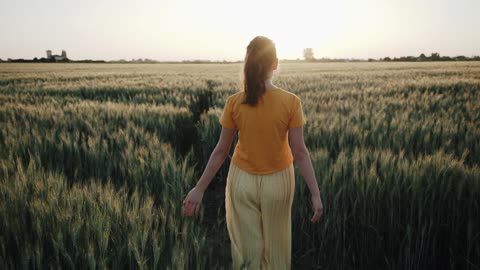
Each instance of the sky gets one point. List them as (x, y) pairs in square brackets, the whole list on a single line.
[(174, 30)]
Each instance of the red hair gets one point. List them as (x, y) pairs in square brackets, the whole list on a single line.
[(260, 57)]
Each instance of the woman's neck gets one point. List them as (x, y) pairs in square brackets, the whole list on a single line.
[(269, 84)]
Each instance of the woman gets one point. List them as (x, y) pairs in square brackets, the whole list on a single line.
[(260, 183)]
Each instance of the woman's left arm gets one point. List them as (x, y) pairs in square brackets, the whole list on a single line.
[(191, 203)]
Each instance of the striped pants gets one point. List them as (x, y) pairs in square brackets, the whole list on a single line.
[(258, 216)]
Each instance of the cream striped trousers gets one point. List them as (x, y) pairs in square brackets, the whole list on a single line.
[(258, 215)]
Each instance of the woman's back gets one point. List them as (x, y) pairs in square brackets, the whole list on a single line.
[(263, 129), (261, 181)]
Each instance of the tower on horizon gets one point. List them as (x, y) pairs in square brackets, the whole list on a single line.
[(56, 57)]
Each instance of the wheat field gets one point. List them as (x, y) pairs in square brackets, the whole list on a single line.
[(96, 159)]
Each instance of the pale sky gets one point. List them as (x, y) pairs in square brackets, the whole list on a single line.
[(220, 30)]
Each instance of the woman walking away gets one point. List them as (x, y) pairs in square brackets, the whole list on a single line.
[(260, 183)]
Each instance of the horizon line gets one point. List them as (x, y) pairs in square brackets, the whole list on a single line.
[(241, 60)]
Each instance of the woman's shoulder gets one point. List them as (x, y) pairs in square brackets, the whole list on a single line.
[(284, 93), (236, 97), (280, 93), (234, 100)]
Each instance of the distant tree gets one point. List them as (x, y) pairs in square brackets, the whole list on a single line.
[(435, 56), (387, 59), (308, 54), (422, 57)]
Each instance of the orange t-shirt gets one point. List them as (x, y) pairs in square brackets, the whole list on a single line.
[(262, 146)]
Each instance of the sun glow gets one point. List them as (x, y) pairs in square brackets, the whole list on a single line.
[(291, 26), (220, 30)]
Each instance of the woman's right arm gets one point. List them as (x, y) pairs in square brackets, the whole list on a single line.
[(302, 158)]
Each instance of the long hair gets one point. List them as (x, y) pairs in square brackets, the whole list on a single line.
[(261, 54)]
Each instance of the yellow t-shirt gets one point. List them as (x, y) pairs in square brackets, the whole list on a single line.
[(262, 146)]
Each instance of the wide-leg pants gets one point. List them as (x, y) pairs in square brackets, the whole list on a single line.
[(258, 217)]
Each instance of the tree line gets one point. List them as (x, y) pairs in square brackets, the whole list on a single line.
[(308, 55), (432, 57)]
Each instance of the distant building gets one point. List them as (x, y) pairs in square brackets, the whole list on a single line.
[(56, 57)]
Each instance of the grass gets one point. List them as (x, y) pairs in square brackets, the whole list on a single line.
[(96, 158)]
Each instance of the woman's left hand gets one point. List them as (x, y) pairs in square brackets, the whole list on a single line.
[(191, 203)]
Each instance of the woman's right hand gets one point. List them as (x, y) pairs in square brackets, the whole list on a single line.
[(191, 203), (317, 207)]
